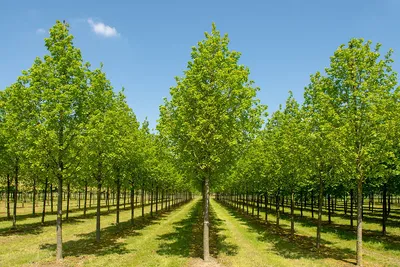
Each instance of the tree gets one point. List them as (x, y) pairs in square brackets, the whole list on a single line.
[(359, 86), (60, 89), (212, 112)]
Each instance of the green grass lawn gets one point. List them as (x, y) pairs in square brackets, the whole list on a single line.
[(270, 245), (175, 239)]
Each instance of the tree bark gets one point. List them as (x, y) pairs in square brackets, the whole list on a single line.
[(98, 208), (359, 221), (206, 243), (68, 197), (142, 198), (15, 195), (34, 197), (59, 214), (266, 207), (118, 197), (292, 215), (51, 198), (321, 191), (384, 213), (44, 200), (132, 202), (351, 207), (85, 200), (329, 209), (8, 196), (277, 208)]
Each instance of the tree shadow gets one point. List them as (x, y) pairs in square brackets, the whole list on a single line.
[(110, 237), (300, 246), (36, 227), (345, 231), (187, 239)]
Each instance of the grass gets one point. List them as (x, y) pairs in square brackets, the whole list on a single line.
[(271, 245), (174, 238)]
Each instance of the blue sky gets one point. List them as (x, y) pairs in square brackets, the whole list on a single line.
[(145, 44)]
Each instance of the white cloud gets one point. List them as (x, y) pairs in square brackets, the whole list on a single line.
[(40, 31), (101, 29)]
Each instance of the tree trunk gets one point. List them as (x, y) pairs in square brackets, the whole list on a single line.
[(321, 191), (85, 200), (156, 199), (384, 213), (118, 197), (266, 206), (98, 208), (329, 209), (351, 207), (124, 198), (108, 198), (68, 197), (132, 202), (277, 208), (59, 215), (34, 197), (44, 200), (359, 221), (51, 198), (292, 215), (206, 243), (312, 204), (8, 197), (151, 201), (15, 195), (142, 200)]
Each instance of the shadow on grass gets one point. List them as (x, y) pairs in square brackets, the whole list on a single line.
[(298, 247), (346, 232), (110, 236), (36, 227), (187, 239)]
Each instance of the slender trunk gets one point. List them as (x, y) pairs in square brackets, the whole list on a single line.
[(351, 207), (156, 199), (124, 198), (79, 200), (118, 197), (292, 215), (90, 198), (321, 191), (34, 197), (283, 203), (258, 205), (312, 204), (373, 202), (301, 205), (277, 208), (68, 197), (162, 199), (206, 243), (15, 195), (384, 213), (359, 221), (151, 201), (142, 200), (44, 200), (8, 197), (329, 209), (98, 208), (132, 202), (266, 207), (108, 199), (59, 215), (85, 200)]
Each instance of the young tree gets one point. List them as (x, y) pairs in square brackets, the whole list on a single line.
[(212, 111)]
